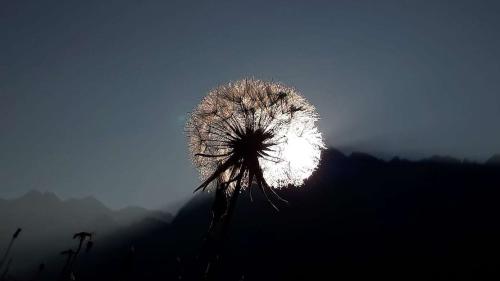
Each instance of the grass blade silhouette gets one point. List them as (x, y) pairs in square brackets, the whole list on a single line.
[(9, 247)]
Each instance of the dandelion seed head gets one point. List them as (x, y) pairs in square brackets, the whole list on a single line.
[(256, 129)]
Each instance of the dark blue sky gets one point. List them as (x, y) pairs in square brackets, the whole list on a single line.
[(94, 94)]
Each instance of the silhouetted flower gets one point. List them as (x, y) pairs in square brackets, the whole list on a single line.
[(254, 131), (67, 272)]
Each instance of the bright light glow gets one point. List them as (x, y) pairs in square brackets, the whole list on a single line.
[(299, 153), (290, 142)]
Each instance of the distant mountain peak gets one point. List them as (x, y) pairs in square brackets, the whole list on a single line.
[(336, 153), (86, 199), (89, 203), (33, 193), (362, 156), (38, 195)]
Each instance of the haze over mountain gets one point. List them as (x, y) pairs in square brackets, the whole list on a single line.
[(494, 160), (48, 223)]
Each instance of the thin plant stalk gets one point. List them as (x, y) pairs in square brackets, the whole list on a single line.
[(9, 248), (73, 255), (39, 270), (6, 271), (66, 268), (216, 238)]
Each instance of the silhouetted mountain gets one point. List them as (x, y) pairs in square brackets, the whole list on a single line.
[(494, 160), (49, 222), (357, 218), (442, 159), (364, 157)]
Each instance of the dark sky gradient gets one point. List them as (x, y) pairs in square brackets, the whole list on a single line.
[(94, 95)]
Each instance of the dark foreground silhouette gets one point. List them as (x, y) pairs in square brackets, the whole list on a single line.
[(357, 218)]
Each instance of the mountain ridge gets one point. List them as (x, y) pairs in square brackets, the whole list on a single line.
[(357, 217)]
